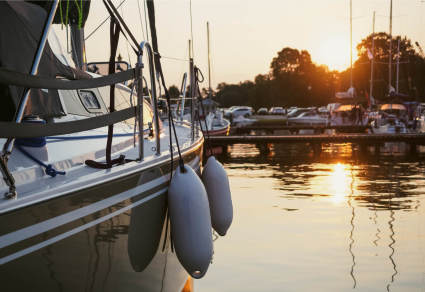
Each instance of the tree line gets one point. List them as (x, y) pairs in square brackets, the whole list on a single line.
[(295, 80)]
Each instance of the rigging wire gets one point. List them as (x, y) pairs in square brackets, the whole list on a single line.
[(128, 51), (146, 20), (175, 58), (141, 21), (103, 22)]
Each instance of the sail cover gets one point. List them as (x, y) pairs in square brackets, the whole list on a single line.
[(21, 25)]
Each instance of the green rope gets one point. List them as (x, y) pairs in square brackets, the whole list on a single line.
[(80, 12), (79, 6), (66, 14)]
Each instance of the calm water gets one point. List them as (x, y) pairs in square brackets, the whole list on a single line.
[(344, 220)]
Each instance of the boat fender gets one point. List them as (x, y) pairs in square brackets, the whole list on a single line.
[(216, 183), (190, 221)]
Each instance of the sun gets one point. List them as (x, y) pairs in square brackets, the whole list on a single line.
[(334, 52)]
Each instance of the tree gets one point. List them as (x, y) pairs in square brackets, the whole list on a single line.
[(174, 91), (295, 80), (290, 60), (411, 68)]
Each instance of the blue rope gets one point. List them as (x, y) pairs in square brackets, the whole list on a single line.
[(48, 168)]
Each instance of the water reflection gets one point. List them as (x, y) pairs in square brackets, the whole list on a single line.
[(353, 216), (341, 182), (391, 246), (352, 226), (298, 168)]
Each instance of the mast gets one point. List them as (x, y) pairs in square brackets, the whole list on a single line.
[(78, 46), (191, 29), (192, 90), (373, 57), (391, 41), (398, 65), (209, 60), (351, 43)]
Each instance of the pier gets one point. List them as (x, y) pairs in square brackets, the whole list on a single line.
[(417, 139), (270, 128)]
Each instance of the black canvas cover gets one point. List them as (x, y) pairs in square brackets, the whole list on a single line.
[(21, 25)]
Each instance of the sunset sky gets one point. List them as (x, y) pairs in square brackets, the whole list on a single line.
[(247, 34)]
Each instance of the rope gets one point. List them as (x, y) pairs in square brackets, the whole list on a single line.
[(80, 12), (48, 168)]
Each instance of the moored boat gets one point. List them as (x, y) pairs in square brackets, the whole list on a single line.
[(85, 205), (391, 119), (312, 117)]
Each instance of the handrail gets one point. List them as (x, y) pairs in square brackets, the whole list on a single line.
[(145, 45), (10, 77), (32, 130), (140, 101), (183, 95)]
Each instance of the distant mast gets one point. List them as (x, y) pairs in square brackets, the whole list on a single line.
[(398, 65), (390, 52), (373, 57), (209, 61)]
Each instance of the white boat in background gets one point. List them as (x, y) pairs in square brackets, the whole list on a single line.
[(391, 119), (349, 115), (312, 117), (217, 125), (419, 119)]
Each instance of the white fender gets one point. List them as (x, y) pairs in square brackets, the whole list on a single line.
[(190, 221), (220, 200)]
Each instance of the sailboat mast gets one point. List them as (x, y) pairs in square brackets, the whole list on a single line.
[(351, 43), (192, 89), (373, 57), (391, 41), (398, 65), (209, 60), (191, 28)]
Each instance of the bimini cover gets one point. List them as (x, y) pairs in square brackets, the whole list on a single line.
[(345, 108), (393, 106), (21, 26)]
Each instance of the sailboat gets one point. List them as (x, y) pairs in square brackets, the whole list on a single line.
[(84, 205), (392, 116), (349, 112), (216, 124)]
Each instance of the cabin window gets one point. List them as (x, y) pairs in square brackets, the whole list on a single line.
[(89, 100)]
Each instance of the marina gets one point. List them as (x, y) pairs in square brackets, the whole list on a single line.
[(196, 146)]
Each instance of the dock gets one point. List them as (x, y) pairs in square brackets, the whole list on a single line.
[(270, 128), (372, 139)]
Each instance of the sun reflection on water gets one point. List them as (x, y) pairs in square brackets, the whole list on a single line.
[(341, 182)]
